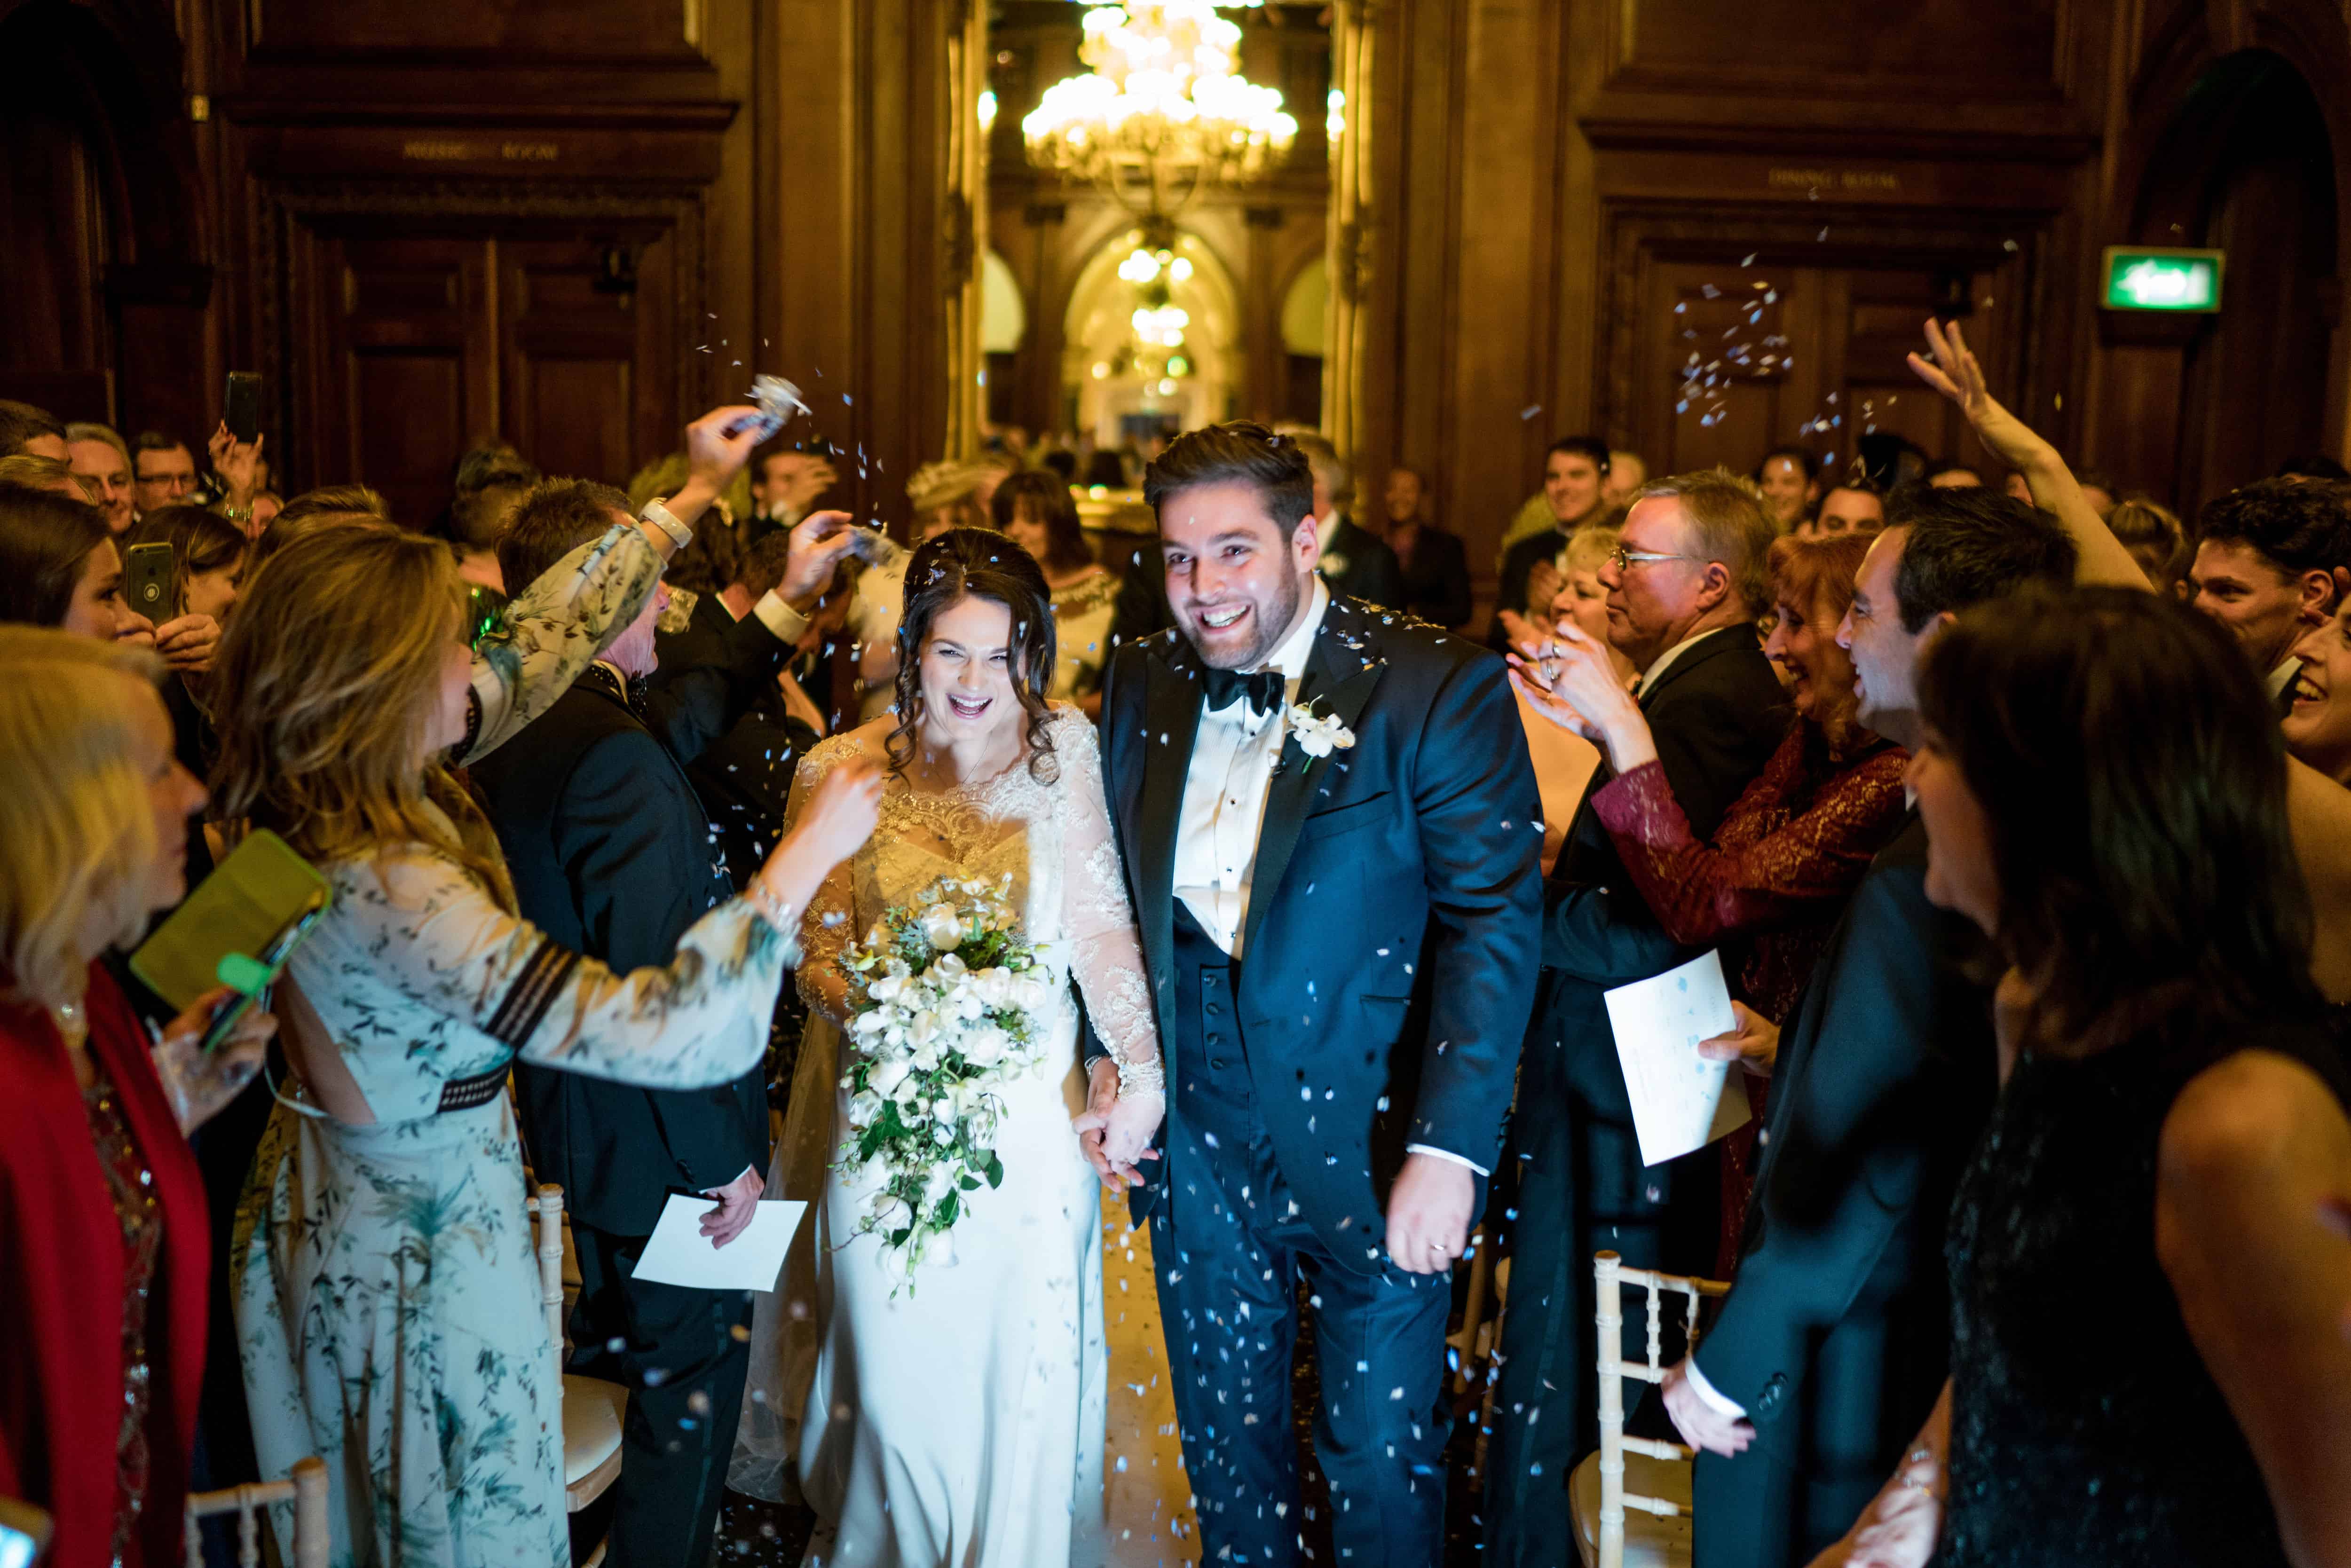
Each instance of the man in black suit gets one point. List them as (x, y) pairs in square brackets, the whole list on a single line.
[(744, 776), (1354, 563), (611, 856), (1684, 591), (1835, 1339), (1331, 834)]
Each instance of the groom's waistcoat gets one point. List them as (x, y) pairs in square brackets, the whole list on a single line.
[(1389, 950)]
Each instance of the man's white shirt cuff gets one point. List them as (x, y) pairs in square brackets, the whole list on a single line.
[(1446, 1155), (788, 623), (1715, 1400)]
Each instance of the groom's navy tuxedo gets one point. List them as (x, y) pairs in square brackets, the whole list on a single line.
[(1386, 972)]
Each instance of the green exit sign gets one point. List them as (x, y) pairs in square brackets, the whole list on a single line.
[(2140, 278)]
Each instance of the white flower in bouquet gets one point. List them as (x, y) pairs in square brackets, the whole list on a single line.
[(943, 927), (885, 1077), (865, 1107), (986, 1046)]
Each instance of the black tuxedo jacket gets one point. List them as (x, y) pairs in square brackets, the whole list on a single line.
[(1717, 713), (710, 676), (1389, 957), (611, 857), (1885, 1076), (1358, 565), (744, 776)]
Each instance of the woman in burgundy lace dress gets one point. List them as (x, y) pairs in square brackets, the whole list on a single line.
[(1771, 886)]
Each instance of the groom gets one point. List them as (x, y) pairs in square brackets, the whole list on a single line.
[(1331, 836)]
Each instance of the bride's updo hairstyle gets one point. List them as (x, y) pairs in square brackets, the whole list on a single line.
[(988, 566)]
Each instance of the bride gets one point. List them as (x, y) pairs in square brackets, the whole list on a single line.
[(963, 1420)]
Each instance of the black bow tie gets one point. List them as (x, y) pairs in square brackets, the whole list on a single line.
[(1261, 691)]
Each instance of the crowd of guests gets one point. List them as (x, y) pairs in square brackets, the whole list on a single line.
[(2019, 810)]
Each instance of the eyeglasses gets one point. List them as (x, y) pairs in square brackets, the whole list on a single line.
[(1620, 557)]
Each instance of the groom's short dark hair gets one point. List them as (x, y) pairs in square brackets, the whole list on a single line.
[(1240, 453)]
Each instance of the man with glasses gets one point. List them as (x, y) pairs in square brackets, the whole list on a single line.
[(1685, 586)]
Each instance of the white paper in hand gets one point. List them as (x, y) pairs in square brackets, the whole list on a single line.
[(678, 1253), (1680, 1100)]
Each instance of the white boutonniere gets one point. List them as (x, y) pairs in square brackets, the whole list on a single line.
[(1318, 736), (1332, 564)]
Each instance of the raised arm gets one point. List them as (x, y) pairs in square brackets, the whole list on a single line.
[(556, 626), (554, 629), (2253, 1153), (419, 924), (1951, 369)]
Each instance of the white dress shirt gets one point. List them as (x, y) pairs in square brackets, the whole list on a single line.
[(1233, 755), (2283, 676), (1224, 791), (1324, 528)]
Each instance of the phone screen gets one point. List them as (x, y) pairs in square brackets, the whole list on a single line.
[(243, 406)]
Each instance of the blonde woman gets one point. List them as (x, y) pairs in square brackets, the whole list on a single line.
[(107, 1245), (387, 1304)]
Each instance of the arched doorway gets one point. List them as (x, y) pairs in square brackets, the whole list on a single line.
[(2244, 165), (1176, 371)]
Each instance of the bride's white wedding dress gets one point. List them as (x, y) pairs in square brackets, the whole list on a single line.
[(960, 1422)]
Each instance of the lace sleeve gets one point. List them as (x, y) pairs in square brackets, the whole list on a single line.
[(425, 929), (1106, 955), (828, 925), (554, 630)]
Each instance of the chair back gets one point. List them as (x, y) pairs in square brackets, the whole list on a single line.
[(1612, 1276), (305, 1488), (549, 1206)]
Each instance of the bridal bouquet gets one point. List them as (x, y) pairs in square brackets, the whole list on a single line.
[(948, 1003)]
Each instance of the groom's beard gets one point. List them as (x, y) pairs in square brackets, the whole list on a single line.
[(1271, 619)]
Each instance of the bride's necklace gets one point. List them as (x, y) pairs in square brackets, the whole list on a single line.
[(932, 772)]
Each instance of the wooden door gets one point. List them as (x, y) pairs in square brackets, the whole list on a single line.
[(588, 369), (424, 346), (411, 367), (1741, 354)]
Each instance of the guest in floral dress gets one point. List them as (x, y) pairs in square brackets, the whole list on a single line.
[(104, 1243), (1772, 883), (387, 1303)]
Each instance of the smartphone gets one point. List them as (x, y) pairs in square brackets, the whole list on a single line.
[(272, 959), (147, 573), (244, 406)]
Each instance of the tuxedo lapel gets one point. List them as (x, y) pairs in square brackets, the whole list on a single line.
[(1171, 715), (1338, 683)]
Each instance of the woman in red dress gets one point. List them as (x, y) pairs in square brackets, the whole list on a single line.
[(103, 1239), (1772, 885)]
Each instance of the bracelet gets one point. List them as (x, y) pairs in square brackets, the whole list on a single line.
[(235, 513), (769, 908), (1137, 1079), (659, 517)]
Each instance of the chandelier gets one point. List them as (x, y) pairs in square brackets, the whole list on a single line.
[(1165, 112)]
